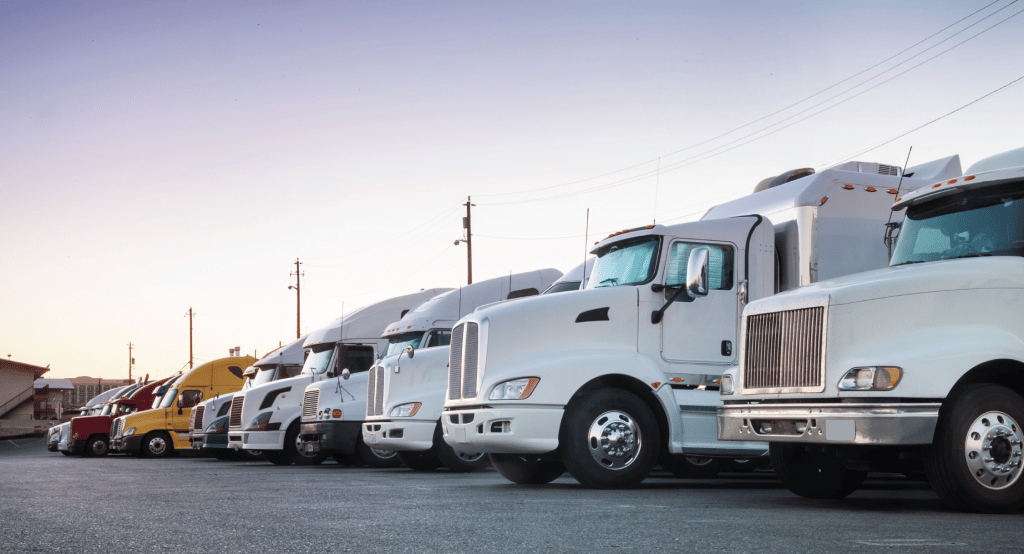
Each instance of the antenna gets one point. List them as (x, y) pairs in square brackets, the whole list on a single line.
[(890, 227), (586, 240)]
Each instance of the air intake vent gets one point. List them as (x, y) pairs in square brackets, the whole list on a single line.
[(310, 403), (235, 419), (197, 418), (783, 351), (888, 170)]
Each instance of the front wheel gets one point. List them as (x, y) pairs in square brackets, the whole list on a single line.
[(459, 462), (96, 447), (611, 439), (375, 457), (524, 469), (814, 471), (975, 461), (157, 445), (298, 454), (277, 457)]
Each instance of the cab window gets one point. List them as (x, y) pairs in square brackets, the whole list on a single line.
[(439, 338), (720, 264), (356, 358), (190, 398)]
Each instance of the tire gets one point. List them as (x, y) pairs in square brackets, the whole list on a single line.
[(696, 467), (96, 446), (293, 447), (250, 455), (975, 463), (457, 462), (374, 457), (420, 461), (611, 439), (277, 457), (157, 444), (813, 471), (526, 469)]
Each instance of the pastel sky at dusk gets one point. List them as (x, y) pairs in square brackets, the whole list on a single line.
[(161, 156)]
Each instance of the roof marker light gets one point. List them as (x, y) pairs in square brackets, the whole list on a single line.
[(969, 178), (893, 191), (871, 189), (936, 185), (951, 181), (677, 380), (823, 200), (897, 200), (848, 187)]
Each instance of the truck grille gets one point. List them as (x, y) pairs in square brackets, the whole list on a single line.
[(310, 400), (235, 419), (117, 428), (463, 359), (375, 391), (783, 350), (197, 417)]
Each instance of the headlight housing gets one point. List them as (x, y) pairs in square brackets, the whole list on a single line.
[(872, 378), (129, 432), (726, 386), (516, 389), (259, 423), (405, 410), (218, 426)]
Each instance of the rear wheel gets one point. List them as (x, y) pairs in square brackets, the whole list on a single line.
[(814, 471), (696, 467), (611, 439), (975, 463), (157, 445), (96, 446), (375, 457), (526, 469), (459, 462)]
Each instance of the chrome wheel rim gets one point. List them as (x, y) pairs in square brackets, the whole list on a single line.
[(157, 445), (99, 447), (992, 450), (470, 457), (697, 461), (302, 451), (383, 454), (614, 440)]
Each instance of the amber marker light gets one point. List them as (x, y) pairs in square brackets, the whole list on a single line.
[(655, 384), (893, 191), (823, 200), (936, 185), (677, 380), (969, 178), (871, 189), (951, 181), (848, 187), (336, 413)]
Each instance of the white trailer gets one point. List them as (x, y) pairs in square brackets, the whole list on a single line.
[(919, 365), (615, 378), (405, 390), (266, 417)]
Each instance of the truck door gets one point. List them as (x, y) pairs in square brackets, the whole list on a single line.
[(701, 336), (182, 411)]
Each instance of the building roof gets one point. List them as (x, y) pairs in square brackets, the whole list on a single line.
[(18, 366), (54, 384)]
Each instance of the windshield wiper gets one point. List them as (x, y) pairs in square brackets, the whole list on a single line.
[(611, 280)]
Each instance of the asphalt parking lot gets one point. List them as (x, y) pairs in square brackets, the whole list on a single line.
[(53, 503)]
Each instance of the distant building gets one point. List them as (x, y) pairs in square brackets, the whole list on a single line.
[(52, 397), (88, 387), (17, 395)]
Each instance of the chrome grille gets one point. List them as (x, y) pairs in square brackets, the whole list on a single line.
[(783, 350), (455, 363), (117, 428), (310, 402), (470, 360), (378, 394), (197, 417), (370, 395), (235, 419)]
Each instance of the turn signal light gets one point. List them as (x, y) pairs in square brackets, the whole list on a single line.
[(874, 378), (336, 413)]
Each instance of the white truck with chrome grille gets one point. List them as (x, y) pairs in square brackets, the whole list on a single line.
[(266, 417), (920, 364), (405, 393), (608, 381)]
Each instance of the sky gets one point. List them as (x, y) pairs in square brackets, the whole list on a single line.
[(158, 157)]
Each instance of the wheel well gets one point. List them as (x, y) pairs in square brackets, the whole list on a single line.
[(633, 385), (1007, 373), (94, 435)]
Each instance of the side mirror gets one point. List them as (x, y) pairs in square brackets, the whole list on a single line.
[(697, 272), (345, 373), (409, 351)]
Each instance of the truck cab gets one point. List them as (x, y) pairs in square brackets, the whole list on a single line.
[(266, 417), (609, 381), (158, 432), (918, 365), (209, 420), (405, 394)]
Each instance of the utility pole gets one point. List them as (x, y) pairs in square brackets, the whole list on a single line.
[(131, 361), (467, 225), (298, 298), (190, 314)]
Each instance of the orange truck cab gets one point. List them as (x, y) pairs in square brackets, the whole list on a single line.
[(160, 431)]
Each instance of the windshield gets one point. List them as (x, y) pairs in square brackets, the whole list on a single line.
[(318, 361), (169, 398), (397, 343), (986, 222), (106, 410), (264, 374), (627, 262)]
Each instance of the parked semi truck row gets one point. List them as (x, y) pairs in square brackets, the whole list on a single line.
[(90, 434), (608, 381), (917, 365)]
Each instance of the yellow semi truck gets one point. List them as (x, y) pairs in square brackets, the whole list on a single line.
[(160, 431)]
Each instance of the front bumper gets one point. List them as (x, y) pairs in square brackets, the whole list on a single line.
[(400, 435), (336, 437), (256, 440), (208, 440), (132, 443), (829, 423), (503, 430)]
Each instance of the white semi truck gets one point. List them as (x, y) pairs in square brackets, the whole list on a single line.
[(266, 417), (405, 390), (209, 419), (611, 380), (917, 364)]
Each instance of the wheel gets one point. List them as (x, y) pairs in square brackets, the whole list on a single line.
[(611, 439), (375, 457), (294, 448), (526, 469), (96, 446), (696, 467), (454, 460), (277, 457), (157, 445), (425, 460), (249, 455), (814, 471), (975, 462)]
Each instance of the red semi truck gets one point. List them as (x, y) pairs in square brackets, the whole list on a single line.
[(90, 435)]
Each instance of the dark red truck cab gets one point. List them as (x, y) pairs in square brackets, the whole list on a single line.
[(90, 435)]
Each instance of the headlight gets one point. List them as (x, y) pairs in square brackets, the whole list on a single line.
[(129, 432), (405, 410), (726, 386), (516, 389), (260, 422), (218, 426), (875, 378)]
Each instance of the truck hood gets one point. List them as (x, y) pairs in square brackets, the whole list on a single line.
[(148, 420), (297, 383), (424, 376), (996, 272)]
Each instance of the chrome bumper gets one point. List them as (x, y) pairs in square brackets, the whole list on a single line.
[(867, 424)]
